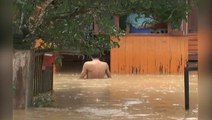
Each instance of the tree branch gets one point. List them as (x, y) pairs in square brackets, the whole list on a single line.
[(36, 19), (71, 14)]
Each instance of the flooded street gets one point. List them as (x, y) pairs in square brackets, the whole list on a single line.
[(123, 97)]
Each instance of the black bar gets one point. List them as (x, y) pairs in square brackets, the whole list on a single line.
[(186, 85), (52, 78), (187, 69)]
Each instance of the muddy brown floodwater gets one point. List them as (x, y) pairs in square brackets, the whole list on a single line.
[(123, 97)]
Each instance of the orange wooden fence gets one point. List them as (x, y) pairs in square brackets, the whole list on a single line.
[(150, 54)]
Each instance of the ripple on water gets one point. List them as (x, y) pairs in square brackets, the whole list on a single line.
[(191, 118), (101, 112), (133, 102)]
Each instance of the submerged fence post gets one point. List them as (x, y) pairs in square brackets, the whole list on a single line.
[(186, 88)]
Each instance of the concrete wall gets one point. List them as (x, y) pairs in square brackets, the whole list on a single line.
[(22, 75)]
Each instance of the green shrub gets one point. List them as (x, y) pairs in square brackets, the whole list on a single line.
[(43, 100)]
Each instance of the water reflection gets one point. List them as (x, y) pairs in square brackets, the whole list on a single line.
[(136, 97)]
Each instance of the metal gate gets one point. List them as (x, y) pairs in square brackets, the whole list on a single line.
[(42, 79)]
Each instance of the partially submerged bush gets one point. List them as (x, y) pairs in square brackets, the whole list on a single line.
[(43, 100)]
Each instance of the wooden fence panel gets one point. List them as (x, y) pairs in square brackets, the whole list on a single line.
[(146, 54), (129, 56), (150, 55), (42, 79), (118, 56), (142, 55), (162, 64), (136, 56), (174, 56), (113, 64), (122, 57)]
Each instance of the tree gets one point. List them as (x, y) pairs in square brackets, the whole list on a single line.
[(67, 23)]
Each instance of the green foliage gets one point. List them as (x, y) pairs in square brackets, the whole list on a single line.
[(101, 43), (171, 11), (22, 11), (66, 24), (43, 100), (58, 60)]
